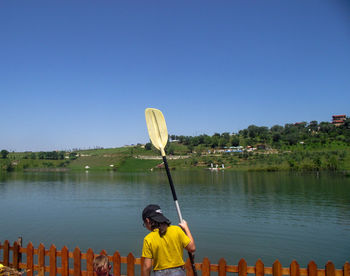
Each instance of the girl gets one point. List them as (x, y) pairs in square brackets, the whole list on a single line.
[(101, 265), (164, 245)]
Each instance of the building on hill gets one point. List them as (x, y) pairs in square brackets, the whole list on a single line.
[(338, 120)]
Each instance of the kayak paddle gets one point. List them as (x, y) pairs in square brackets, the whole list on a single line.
[(158, 134)]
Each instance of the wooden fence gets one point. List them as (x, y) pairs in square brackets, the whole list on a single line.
[(68, 263)]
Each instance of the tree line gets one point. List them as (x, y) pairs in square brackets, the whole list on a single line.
[(312, 133), (43, 155)]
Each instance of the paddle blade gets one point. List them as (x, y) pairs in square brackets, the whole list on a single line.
[(157, 129)]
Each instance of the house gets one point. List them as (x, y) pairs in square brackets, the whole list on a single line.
[(338, 120)]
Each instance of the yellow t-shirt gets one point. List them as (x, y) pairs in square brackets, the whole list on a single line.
[(166, 251)]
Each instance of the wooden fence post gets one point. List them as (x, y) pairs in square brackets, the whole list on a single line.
[(77, 261), (259, 268), (130, 267), (53, 260), (116, 263), (330, 269), (16, 255), (188, 268), (242, 268), (142, 263), (277, 268), (206, 267), (6, 253), (312, 269), (41, 260), (294, 269), (30, 259), (346, 269), (90, 262), (222, 267), (65, 261)]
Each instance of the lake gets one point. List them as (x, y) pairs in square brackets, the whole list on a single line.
[(232, 215)]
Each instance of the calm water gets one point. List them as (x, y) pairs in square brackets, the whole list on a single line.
[(232, 215)]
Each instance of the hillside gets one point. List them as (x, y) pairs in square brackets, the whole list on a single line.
[(302, 146)]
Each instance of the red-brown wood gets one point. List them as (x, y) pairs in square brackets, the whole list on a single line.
[(142, 263), (330, 269), (206, 267), (90, 262), (294, 269), (53, 260), (6, 253), (77, 262), (259, 268), (188, 268), (116, 263), (16, 255), (30, 259), (130, 267), (277, 268), (242, 268), (346, 269), (41, 260), (65, 261), (312, 269), (222, 267)]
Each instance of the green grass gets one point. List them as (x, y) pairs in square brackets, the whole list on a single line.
[(133, 164), (330, 157)]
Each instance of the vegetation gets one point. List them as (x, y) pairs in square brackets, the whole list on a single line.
[(302, 147)]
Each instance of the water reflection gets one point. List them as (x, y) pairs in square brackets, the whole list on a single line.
[(232, 214)]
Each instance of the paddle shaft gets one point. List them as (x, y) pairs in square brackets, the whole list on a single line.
[(190, 255)]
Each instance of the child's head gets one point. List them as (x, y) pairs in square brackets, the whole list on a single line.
[(102, 265), (154, 213), (153, 218)]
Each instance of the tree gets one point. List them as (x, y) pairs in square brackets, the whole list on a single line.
[(222, 142), (277, 128), (276, 137), (215, 141), (346, 124), (253, 131), (235, 141), (148, 146), (313, 125), (4, 153), (73, 155)]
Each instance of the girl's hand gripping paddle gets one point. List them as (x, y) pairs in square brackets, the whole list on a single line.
[(158, 134)]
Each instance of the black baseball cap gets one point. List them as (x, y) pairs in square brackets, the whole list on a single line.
[(154, 212)]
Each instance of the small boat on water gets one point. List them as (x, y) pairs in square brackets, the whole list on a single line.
[(216, 168)]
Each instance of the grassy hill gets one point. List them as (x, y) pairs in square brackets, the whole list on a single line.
[(137, 158), (299, 147)]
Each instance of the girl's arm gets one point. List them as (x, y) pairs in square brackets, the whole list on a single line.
[(191, 247), (147, 267)]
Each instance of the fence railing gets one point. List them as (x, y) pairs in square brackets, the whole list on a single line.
[(65, 263)]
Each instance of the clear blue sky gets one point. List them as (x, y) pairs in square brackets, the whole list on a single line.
[(79, 74)]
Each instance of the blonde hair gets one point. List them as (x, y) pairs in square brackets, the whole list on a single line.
[(101, 264)]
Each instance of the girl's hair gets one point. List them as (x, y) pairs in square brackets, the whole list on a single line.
[(162, 226), (101, 264)]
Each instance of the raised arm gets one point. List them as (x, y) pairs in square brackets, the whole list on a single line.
[(191, 247)]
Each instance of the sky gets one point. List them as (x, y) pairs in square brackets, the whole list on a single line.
[(80, 74)]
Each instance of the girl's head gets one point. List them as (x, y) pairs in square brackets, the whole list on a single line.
[(153, 218), (101, 265)]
